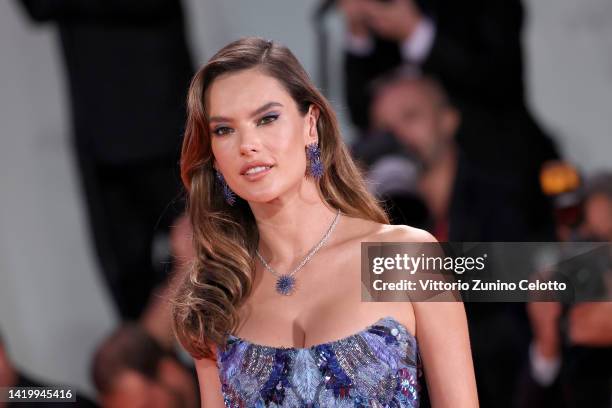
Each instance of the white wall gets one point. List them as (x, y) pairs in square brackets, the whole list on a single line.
[(53, 308), (568, 44)]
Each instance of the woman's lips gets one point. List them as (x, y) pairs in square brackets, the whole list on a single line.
[(258, 175)]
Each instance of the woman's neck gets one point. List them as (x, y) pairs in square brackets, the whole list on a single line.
[(289, 227)]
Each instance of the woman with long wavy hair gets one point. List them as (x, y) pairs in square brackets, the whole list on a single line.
[(271, 310)]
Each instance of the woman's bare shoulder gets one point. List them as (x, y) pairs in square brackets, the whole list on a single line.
[(398, 233), (362, 230)]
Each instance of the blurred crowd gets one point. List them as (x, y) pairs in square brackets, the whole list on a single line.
[(436, 93)]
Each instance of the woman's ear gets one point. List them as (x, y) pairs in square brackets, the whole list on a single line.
[(312, 118)]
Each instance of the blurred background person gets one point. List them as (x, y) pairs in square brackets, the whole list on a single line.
[(597, 210), (393, 179), (562, 182), (570, 357), (474, 50), (128, 67), (136, 365), (156, 318), (10, 376), (131, 369), (415, 110)]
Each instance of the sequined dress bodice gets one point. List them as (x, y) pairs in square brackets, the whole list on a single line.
[(376, 367)]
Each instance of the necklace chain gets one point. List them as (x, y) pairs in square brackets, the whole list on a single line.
[(312, 252)]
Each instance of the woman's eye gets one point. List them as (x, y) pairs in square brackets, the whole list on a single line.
[(222, 130), (267, 119)]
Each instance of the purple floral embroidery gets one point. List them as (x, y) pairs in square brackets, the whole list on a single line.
[(378, 366), (335, 379), (274, 388)]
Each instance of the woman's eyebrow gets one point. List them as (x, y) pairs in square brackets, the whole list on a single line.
[(256, 112), (265, 108)]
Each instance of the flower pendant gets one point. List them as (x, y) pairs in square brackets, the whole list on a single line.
[(285, 284)]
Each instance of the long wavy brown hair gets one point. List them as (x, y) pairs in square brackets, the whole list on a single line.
[(205, 307)]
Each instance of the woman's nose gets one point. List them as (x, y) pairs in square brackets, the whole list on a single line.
[(249, 143)]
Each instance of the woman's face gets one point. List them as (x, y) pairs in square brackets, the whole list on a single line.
[(258, 135)]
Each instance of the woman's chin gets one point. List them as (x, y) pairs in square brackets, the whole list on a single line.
[(261, 198)]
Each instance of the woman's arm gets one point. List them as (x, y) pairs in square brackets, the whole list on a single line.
[(441, 330), (210, 386), (444, 343)]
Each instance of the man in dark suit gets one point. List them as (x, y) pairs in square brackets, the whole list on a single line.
[(128, 71), (472, 47)]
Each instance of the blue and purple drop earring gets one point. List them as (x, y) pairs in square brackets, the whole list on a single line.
[(228, 194), (315, 166)]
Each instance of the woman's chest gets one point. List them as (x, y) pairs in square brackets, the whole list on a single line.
[(325, 305)]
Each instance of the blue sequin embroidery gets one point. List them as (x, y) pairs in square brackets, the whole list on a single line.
[(376, 367)]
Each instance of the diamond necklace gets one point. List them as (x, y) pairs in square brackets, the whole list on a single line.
[(285, 283)]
